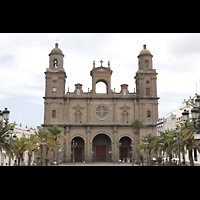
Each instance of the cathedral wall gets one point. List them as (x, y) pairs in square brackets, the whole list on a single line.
[(124, 105), (125, 132)]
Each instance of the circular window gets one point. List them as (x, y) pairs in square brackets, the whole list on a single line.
[(101, 112), (147, 82)]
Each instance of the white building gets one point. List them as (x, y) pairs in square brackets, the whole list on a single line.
[(19, 133), (170, 120)]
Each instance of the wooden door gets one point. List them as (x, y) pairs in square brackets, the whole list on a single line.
[(123, 153), (78, 154), (101, 153)]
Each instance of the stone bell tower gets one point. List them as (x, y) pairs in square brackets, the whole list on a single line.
[(55, 74), (146, 87), (146, 76), (54, 87)]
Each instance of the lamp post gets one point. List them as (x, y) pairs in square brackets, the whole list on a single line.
[(12, 139), (132, 144), (176, 137), (58, 151), (73, 145), (43, 143), (146, 143), (195, 117), (118, 144), (4, 116)]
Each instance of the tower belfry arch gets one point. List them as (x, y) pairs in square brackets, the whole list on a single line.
[(101, 74)]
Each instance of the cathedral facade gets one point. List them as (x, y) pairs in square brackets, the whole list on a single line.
[(97, 127)]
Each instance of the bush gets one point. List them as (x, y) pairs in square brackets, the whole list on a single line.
[(140, 157), (159, 159)]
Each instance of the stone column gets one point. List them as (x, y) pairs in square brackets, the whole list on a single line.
[(114, 147), (68, 146), (88, 151)]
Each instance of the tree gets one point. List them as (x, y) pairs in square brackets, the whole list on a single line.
[(32, 143), (49, 142), (137, 124), (150, 146), (3, 143), (19, 147), (56, 133), (188, 140)]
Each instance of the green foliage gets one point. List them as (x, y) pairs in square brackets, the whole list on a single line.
[(3, 143), (140, 157), (137, 124), (32, 143), (159, 159)]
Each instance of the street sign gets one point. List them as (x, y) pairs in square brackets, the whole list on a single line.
[(197, 136)]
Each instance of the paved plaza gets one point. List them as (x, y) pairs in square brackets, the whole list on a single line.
[(97, 164)]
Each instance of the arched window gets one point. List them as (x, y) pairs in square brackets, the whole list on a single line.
[(55, 63), (78, 117), (146, 64), (148, 113), (125, 117), (147, 91), (54, 113)]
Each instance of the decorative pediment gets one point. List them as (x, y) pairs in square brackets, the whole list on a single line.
[(101, 70), (78, 107), (125, 107)]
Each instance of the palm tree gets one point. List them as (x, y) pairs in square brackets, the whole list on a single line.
[(32, 143), (49, 142), (3, 143), (19, 147), (188, 140), (56, 133), (137, 124), (149, 147), (172, 145)]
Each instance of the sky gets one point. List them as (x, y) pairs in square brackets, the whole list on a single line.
[(24, 59)]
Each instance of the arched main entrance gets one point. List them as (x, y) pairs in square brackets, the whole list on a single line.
[(101, 148), (125, 150), (78, 150)]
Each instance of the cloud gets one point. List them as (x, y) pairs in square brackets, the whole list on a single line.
[(24, 59), (182, 45)]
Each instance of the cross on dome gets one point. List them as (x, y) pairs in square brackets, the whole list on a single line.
[(101, 63)]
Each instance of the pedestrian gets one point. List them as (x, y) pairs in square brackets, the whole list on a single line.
[(23, 163), (15, 164)]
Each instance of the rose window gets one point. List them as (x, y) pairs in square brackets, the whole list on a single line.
[(101, 112)]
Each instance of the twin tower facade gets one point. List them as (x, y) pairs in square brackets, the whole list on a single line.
[(99, 125)]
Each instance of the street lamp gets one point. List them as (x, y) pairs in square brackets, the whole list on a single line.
[(197, 102), (58, 151), (132, 144), (176, 137), (118, 144), (73, 145), (43, 143), (195, 117), (12, 139), (146, 143), (4, 116)]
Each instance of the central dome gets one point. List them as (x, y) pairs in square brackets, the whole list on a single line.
[(145, 51), (56, 50)]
